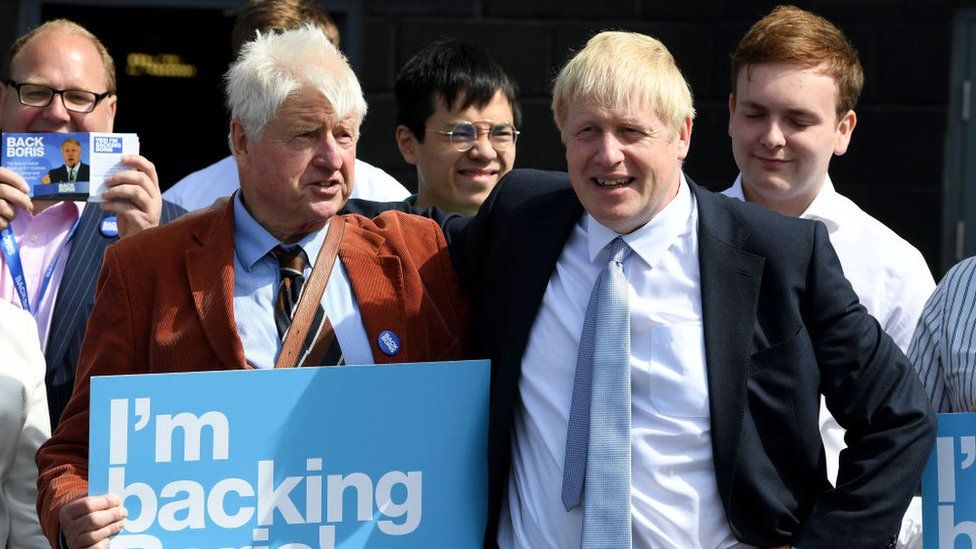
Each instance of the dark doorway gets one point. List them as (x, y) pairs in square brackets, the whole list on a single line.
[(180, 119)]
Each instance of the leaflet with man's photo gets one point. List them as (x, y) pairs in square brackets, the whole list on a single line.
[(67, 166)]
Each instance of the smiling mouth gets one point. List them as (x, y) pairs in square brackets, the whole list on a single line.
[(772, 160), (478, 173), (611, 183)]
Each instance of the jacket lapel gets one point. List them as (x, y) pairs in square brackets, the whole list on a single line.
[(535, 245), (77, 289), (377, 283), (210, 273), (549, 220), (730, 281)]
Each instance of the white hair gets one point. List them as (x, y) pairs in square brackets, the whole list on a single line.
[(276, 65)]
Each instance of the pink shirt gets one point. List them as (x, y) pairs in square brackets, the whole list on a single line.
[(40, 237)]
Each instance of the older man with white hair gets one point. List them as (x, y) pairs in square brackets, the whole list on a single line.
[(219, 289)]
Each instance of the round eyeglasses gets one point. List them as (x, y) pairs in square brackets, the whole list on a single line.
[(465, 134), (39, 95)]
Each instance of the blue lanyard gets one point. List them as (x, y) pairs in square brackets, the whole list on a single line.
[(11, 254)]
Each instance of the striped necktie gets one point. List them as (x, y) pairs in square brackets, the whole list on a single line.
[(291, 267)]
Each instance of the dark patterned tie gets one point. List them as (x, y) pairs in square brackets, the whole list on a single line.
[(291, 267)]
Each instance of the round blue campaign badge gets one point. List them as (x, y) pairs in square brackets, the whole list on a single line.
[(389, 343), (109, 227)]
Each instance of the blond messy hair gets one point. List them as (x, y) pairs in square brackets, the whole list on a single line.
[(624, 70)]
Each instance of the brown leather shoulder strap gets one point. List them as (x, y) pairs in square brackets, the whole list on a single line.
[(291, 348)]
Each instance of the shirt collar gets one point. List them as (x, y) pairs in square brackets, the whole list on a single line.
[(824, 207), (735, 191), (77, 208), (652, 240), (252, 242)]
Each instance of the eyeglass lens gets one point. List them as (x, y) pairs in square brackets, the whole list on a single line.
[(36, 95), (464, 135)]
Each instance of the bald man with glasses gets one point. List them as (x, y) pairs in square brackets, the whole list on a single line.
[(59, 79)]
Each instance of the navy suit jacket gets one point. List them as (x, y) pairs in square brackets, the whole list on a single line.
[(74, 301), (782, 326), (60, 174)]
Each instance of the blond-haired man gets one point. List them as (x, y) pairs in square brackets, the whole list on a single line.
[(659, 352)]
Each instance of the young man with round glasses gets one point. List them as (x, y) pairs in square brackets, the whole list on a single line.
[(457, 120)]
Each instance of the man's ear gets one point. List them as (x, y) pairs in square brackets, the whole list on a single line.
[(684, 138), (842, 136), (110, 103), (407, 143), (238, 139), (731, 112), (3, 104)]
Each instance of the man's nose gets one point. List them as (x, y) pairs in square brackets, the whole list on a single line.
[(329, 154), (56, 110), (610, 150), (772, 136), (482, 147)]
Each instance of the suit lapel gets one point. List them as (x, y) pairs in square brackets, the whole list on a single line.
[(210, 273), (76, 291), (730, 280), (535, 246), (377, 284), (549, 220)]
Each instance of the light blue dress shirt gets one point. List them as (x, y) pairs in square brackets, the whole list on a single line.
[(256, 282)]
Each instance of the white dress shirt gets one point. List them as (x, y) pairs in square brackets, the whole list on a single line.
[(889, 276), (891, 280), (202, 187), (674, 494), (24, 426)]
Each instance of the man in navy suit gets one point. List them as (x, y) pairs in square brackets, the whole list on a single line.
[(60, 78), (73, 168), (738, 319)]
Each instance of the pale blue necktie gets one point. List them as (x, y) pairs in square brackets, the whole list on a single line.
[(598, 436)]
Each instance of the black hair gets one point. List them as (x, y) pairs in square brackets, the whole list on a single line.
[(450, 70)]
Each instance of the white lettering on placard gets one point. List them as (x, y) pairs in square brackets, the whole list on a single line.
[(231, 503), (945, 456), (25, 146), (192, 427)]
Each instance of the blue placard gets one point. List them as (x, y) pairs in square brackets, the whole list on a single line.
[(949, 485), (316, 458), (38, 155)]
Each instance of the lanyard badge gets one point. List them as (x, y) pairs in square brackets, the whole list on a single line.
[(11, 255)]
